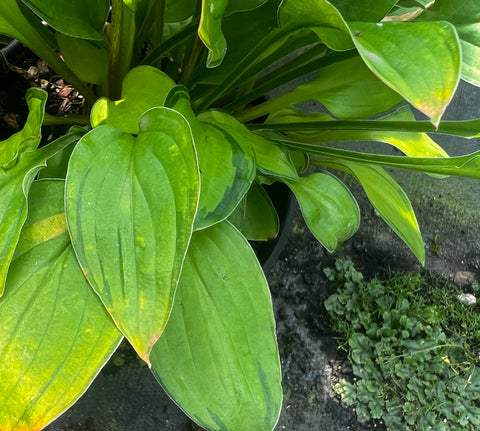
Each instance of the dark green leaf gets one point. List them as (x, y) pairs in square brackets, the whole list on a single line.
[(131, 203), (218, 356)]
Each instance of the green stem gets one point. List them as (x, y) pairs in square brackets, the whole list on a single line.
[(122, 38), (465, 129), (51, 120), (192, 61)]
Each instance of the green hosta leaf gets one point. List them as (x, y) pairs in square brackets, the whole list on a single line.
[(411, 143), (347, 88), (328, 207), (131, 203), (89, 59), (79, 18), (465, 16), (179, 10), (29, 137), (227, 168), (364, 10), (56, 335), (143, 88), (321, 17), (218, 357), (270, 158), (420, 60), (14, 187), (390, 201), (255, 217)]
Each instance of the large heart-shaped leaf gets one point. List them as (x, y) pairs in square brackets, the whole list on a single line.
[(55, 334), (144, 87), (79, 18), (131, 203), (419, 60), (465, 16), (328, 207), (218, 356), (227, 168)]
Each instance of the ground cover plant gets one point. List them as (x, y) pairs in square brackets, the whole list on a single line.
[(413, 345), (138, 226)]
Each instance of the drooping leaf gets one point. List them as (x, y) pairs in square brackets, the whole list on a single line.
[(319, 16), (419, 60), (347, 88), (130, 204), (465, 16), (78, 18), (14, 188), (29, 136), (390, 201), (218, 356), (210, 30), (255, 217), (270, 158), (227, 168), (411, 143), (328, 207), (56, 335), (143, 88)]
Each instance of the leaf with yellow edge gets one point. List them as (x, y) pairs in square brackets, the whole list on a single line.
[(55, 334)]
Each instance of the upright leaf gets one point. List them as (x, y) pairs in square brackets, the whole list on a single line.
[(15, 184), (130, 204), (78, 18), (328, 207), (55, 334), (419, 60), (218, 357), (143, 88)]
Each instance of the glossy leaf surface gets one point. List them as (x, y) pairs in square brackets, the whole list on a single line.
[(328, 207), (270, 157), (420, 60), (55, 334), (227, 168), (319, 16), (391, 202), (465, 16), (143, 88), (131, 203), (364, 10), (222, 324), (79, 18)]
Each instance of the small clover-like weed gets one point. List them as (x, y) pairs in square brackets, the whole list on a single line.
[(413, 346)]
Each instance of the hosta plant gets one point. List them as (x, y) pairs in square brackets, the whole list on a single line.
[(135, 223)]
